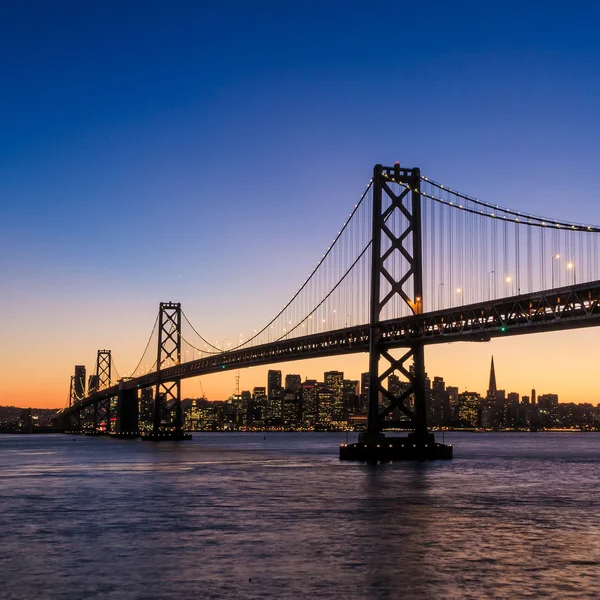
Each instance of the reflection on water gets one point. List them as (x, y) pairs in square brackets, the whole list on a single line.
[(278, 516)]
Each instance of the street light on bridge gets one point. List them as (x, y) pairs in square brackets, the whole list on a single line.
[(555, 257), (460, 291), (571, 267)]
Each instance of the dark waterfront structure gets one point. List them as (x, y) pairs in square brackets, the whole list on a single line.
[(415, 264)]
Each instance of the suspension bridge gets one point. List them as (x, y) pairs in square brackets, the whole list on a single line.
[(415, 263)]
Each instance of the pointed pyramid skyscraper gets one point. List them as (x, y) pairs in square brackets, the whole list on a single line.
[(491, 393)]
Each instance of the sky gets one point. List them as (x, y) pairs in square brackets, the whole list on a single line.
[(208, 153)]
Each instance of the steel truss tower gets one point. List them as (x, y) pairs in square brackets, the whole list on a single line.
[(103, 380), (74, 421), (72, 396), (167, 398), (386, 285)]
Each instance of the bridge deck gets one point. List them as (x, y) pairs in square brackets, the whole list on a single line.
[(565, 308)]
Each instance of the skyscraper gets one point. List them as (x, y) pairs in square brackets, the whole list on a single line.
[(273, 383), (440, 404), (146, 408), (491, 414), (293, 383), (468, 409), (257, 408), (364, 392), (334, 382), (272, 413), (310, 403), (492, 389)]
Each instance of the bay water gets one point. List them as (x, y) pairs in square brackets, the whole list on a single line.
[(277, 515)]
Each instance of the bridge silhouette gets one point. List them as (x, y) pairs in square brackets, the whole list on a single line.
[(415, 263)]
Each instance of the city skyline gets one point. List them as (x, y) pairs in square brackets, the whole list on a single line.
[(285, 373), (335, 402), (196, 388), (121, 126)]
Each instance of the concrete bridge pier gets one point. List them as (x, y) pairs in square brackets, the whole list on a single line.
[(127, 413)]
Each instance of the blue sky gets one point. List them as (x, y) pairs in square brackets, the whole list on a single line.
[(208, 153)]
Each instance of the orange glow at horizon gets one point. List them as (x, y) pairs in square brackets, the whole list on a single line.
[(559, 362)]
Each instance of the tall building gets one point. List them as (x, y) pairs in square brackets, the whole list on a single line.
[(272, 414), (334, 382), (513, 415), (310, 403), (397, 387), (273, 383), (491, 408), (325, 405), (468, 409), (192, 417), (333, 379), (440, 404), (364, 392), (246, 406), (79, 383), (146, 408), (290, 410), (438, 385), (548, 409), (351, 398), (293, 383), (291, 406), (454, 403), (492, 389), (257, 407)]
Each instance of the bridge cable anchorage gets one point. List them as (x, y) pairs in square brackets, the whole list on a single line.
[(270, 324)]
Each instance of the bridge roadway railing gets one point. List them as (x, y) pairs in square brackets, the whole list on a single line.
[(564, 308)]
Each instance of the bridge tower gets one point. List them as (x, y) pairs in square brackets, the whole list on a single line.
[(103, 380), (167, 417), (387, 283), (73, 423), (409, 287), (72, 397)]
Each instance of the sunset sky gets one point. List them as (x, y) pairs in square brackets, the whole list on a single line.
[(207, 153)]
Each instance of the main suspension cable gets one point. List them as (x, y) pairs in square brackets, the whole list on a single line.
[(314, 271), (541, 221), (146, 348)]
